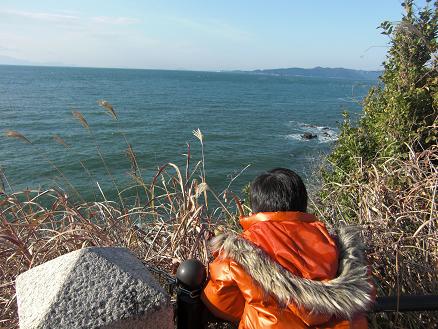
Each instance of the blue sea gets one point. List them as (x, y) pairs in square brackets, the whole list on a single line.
[(252, 122)]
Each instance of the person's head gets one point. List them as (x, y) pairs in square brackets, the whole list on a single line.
[(279, 189)]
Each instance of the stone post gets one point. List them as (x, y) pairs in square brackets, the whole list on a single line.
[(92, 288)]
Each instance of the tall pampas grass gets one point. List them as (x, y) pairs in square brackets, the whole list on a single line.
[(167, 224), (78, 115)]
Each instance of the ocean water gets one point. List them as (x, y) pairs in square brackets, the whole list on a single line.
[(248, 121)]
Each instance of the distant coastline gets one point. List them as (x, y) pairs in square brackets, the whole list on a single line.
[(320, 72)]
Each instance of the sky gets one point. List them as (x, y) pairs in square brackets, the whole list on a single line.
[(197, 34)]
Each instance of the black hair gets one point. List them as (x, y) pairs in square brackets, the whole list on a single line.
[(279, 189)]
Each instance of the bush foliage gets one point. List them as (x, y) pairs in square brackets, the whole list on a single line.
[(402, 111)]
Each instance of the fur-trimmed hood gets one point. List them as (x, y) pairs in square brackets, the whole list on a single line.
[(351, 292)]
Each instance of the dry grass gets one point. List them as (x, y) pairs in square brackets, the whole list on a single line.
[(171, 222), (396, 205)]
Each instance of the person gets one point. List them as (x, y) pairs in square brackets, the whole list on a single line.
[(285, 270)]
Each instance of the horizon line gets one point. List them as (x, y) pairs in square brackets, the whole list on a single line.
[(188, 70)]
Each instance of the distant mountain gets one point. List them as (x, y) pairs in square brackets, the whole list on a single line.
[(7, 60), (321, 72)]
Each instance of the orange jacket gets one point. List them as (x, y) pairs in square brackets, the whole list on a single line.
[(286, 271)]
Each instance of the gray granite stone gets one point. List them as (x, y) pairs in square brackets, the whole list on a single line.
[(92, 288)]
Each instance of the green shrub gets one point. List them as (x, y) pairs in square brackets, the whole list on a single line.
[(401, 111)]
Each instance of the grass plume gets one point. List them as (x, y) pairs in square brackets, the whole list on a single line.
[(78, 115), (108, 107), (16, 134)]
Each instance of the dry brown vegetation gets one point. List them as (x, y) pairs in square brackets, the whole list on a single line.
[(399, 225), (172, 223)]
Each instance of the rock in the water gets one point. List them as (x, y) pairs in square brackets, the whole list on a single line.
[(309, 136), (92, 288)]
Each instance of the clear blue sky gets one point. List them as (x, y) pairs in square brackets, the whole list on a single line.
[(197, 34)]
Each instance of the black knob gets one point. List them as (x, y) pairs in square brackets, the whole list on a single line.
[(191, 273)]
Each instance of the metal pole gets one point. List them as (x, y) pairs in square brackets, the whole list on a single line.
[(190, 277), (409, 303)]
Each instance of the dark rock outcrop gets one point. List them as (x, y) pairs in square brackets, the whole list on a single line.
[(309, 136)]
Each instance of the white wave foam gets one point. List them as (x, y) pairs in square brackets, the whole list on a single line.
[(328, 136), (297, 137), (324, 134)]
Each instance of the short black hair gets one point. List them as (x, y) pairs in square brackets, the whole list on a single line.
[(279, 189)]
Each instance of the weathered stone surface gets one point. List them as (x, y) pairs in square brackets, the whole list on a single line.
[(92, 288)]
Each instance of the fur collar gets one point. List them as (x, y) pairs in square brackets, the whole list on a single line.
[(344, 296)]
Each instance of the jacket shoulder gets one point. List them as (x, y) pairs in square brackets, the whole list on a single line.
[(348, 294), (305, 249)]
